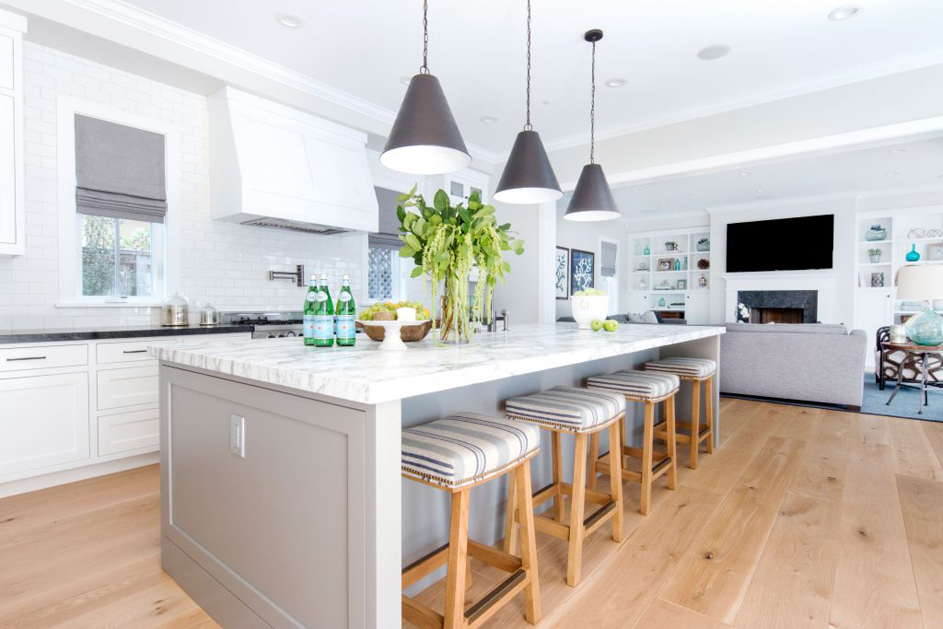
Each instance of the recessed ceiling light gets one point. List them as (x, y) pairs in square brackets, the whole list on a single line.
[(615, 82), (405, 80), (639, 189), (843, 13), (744, 173), (289, 20), (891, 174), (713, 52), (762, 190), (488, 119), (546, 102), (897, 151)]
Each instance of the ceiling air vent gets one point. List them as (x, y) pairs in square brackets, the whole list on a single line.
[(309, 228)]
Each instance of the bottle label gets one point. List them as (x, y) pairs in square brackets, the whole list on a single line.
[(346, 326), (311, 296), (308, 326), (323, 327), (321, 296), (344, 296)]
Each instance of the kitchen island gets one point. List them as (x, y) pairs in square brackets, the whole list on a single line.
[(281, 500)]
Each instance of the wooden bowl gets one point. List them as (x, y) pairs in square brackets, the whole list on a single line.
[(408, 333)]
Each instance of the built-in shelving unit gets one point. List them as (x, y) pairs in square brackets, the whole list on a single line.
[(666, 274)]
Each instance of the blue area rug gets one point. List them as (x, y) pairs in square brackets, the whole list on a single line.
[(904, 405)]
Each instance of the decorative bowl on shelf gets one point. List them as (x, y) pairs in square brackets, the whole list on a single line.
[(409, 332), (877, 232)]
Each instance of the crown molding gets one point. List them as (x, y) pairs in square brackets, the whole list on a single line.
[(800, 88), (852, 195), (157, 26)]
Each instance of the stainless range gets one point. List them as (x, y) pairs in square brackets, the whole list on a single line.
[(268, 325)]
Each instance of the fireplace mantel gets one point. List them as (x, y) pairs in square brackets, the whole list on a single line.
[(823, 283)]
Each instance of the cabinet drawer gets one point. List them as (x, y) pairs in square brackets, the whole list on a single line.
[(43, 421), (127, 386), (127, 351), (128, 431), (43, 357)]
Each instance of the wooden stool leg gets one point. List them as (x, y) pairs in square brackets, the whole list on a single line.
[(709, 399), (672, 445), (593, 456), (458, 558), (615, 479), (525, 508), (577, 505), (695, 422), (510, 527), (557, 455), (647, 444)]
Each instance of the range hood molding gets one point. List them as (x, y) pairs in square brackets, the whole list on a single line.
[(276, 166)]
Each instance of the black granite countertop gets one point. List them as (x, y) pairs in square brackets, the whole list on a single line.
[(124, 332)]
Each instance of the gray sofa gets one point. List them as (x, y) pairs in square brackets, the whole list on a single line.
[(802, 362)]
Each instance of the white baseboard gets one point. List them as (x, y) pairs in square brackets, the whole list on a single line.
[(76, 474)]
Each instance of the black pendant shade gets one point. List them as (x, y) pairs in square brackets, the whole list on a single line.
[(528, 176), (592, 199), (424, 139)]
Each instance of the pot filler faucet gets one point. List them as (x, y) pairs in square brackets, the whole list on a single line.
[(298, 275)]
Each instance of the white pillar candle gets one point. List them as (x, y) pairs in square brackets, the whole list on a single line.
[(405, 314)]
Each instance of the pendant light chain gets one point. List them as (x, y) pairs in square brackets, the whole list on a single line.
[(425, 38), (592, 111), (528, 126)]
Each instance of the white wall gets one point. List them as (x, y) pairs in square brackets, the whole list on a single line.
[(223, 263)]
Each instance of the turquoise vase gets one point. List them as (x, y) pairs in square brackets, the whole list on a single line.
[(925, 328), (913, 256), (647, 251)]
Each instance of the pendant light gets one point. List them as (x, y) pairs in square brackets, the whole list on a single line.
[(528, 176), (592, 199), (424, 139)]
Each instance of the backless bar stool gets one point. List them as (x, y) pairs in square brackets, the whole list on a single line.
[(455, 454), (649, 388), (581, 412), (695, 370)]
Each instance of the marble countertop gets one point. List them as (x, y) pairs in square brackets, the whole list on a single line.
[(96, 334), (363, 373)]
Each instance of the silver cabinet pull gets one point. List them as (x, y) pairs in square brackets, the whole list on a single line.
[(135, 351), (10, 360)]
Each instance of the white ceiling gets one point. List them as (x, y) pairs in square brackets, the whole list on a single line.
[(912, 165), (477, 50)]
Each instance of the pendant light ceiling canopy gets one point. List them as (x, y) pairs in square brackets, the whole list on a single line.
[(592, 199), (528, 176), (424, 139)]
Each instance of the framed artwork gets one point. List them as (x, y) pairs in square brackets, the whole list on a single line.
[(682, 285), (665, 264), (582, 270), (935, 251), (561, 286)]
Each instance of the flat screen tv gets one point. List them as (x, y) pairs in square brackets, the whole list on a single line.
[(786, 244)]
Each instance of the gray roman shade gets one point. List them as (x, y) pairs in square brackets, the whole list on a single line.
[(388, 235), (607, 268), (119, 171)]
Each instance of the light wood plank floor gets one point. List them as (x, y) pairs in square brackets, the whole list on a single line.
[(802, 518)]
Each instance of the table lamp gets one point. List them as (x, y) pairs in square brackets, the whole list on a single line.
[(922, 282)]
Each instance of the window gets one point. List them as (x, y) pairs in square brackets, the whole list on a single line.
[(384, 274), (118, 257), (609, 280)]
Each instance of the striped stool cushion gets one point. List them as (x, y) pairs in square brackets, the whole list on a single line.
[(466, 448), (573, 409), (684, 367), (641, 385)]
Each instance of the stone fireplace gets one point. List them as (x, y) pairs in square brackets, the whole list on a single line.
[(777, 306)]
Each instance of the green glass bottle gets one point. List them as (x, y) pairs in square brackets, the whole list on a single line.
[(323, 316), (346, 315), (311, 298)]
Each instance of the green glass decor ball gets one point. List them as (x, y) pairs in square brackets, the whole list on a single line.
[(925, 328)]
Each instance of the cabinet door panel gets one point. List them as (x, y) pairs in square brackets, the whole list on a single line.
[(128, 431), (43, 421), (128, 386), (697, 308), (8, 216)]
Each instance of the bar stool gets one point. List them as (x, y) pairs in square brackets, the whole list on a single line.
[(650, 388), (581, 412), (696, 370), (455, 454)]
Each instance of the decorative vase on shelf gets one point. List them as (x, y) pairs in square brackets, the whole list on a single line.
[(643, 284), (646, 251), (661, 302), (677, 264), (876, 233), (913, 256), (875, 258)]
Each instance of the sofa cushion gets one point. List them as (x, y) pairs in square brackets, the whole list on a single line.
[(645, 317), (788, 328)]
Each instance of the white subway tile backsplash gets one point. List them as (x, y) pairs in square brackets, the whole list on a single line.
[(224, 263)]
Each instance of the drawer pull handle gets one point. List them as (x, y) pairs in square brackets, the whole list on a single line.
[(10, 360), (135, 351)]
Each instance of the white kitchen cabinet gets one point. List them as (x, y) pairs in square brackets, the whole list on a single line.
[(44, 421), (12, 217), (128, 431), (127, 386)]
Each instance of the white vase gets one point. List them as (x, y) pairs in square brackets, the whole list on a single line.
[(585, 308)]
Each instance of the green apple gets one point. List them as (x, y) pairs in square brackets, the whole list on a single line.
[(596, 325), (610, 325)]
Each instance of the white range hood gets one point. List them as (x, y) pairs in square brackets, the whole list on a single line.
[(276, 166)]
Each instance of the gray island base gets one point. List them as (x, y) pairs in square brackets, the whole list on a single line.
[(281, 497)]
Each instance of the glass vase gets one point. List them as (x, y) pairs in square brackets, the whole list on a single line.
[(925, 328), (454, 328)]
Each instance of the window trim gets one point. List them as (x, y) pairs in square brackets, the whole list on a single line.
[(167, 258), (613, 303)]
